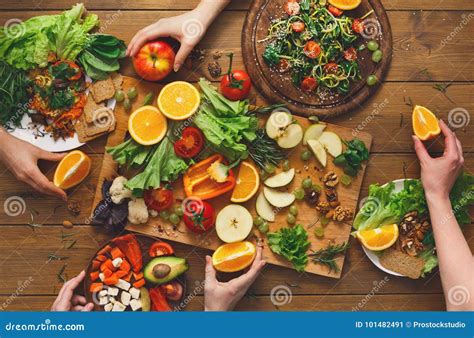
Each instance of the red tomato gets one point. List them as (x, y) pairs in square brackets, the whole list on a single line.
[(173, 290), (335, 11), (297, 26), (330, 68), (77, 70), (358, 26), (199, 216), (312, 49), (309, 84), (236, 84), (283, 66), (190, 143), (154, 61), (292, 7), (350, 54), (158, 199), (160, 249)]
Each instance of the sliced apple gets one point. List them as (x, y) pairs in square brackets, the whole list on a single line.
[(318, 151), (279, 199), (233, 223), (277, 123), (331, 142), (313, 132), (281, 179), (291, 137), (264, 209)]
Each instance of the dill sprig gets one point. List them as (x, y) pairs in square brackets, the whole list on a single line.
[(263, 150), (326, 256)]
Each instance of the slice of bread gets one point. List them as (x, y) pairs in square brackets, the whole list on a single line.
[(102, 90), (402, 263), (117, 79), (90, 108)]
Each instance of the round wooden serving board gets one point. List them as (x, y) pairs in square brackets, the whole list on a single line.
[(278, 87)]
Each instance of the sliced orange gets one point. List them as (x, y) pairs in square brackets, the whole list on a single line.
[(425, 123), (179, 100), (234, 257), (147, 125), (380, 238), (345, 4), (247, 183), (72, 170)]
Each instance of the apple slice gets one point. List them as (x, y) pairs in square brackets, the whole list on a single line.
[(279, 199), (313, 132), (264, 209), (233, 223), (318, 151), (277, 123), (291, 137), (331, 142), (281, 179)]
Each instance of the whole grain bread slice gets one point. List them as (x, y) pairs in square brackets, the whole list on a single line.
[(102, 90), (402, 263)]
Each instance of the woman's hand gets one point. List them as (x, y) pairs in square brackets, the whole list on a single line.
[(220, 296), (439, 174), (68, 301), (187, 28), (21, 158)]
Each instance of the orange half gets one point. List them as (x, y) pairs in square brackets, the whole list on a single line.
[(425, 123), (234, 257), (147, 125), (379, 238), (178, 100), (345, 4), (72, 170), (247, 183)]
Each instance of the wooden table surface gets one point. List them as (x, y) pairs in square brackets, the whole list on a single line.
[(433, 44)]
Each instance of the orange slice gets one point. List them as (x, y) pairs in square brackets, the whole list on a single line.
[(247, 183), (380, 238), (72, 170), (234, 257), (178, 100), (147, 125), (425, 123), (345, 4)]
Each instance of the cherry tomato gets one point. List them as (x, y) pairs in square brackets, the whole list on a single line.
[(199, 216), (292, 7), (312, 49), (160, 249), (350, 54), (77, 70), (309, 84), (358, 26), (190, 143), (297, 26), (331, 68), (173, 290), (236, 84), (335, 11), (158, 199), (283, 66)]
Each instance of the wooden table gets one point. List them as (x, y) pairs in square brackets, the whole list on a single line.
[(433, 43)]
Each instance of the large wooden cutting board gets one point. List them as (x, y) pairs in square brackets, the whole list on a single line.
[(307, 216), (278, 87)]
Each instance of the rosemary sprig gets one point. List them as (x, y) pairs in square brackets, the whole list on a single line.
[(61, 277), (263, 150), (71, 244), (264, 109), (53, 257), (326, 256)]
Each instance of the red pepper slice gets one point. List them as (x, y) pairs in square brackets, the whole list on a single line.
[(158, 300), (128, 244)]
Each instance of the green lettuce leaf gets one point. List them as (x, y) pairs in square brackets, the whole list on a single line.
[(292, 244)]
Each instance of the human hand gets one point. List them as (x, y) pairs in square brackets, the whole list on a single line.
[(21, 158), (219, 296), (67, 300), (439, 174)]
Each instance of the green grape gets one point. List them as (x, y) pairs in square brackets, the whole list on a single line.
[(165, 214), (263, 228), (119, 95), (127, 105), (258, 221), (372, 45), (346, 180), (324, 221), (377, 56), (269, 168), (291, 219), (174, 219), (319, 232), (293, 210), (132, 93), (286, 165), (372, 80), (178, 210), (307, 183), (305, 155), (299, 193)]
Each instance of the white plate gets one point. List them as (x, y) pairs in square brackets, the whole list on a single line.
[(371, 254)]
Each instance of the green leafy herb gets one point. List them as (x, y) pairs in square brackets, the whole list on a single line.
[(351, 159), (292, 244), (326, 256), (14, 86), (263, 150)]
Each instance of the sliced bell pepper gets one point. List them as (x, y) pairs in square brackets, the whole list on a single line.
[(198, 182), (131, 249), (158, 300)]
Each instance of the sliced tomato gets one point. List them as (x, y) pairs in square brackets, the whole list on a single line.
[(335, 11), (160, 249), (190, 143), (283, 66), (292, 7), (173, 290), (330, 68), (309, 84), (297, 26), (358, 26), (350, 54), (158, 199), (312, 49)]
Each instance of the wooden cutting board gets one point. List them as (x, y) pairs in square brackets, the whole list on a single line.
[(278, 87), (334, 232)]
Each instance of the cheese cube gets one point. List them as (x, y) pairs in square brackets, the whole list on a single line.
[(135, 304), (118, 307), (101, 276), (122, 284), (108, 307), (125, 298), (117, 262), (112, 291), (103, 293), (134, 292), (103, 300), (112, 299)]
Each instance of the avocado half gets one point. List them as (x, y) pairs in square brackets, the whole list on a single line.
[(161, 270)]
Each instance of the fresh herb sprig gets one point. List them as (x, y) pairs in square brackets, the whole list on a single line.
[(327, 256), (263, 150), (351, 159)]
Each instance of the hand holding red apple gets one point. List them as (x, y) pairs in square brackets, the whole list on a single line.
[(154, 61)]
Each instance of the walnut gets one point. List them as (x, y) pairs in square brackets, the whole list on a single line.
[(323, 207), (214, 69), (330, 180), (331, 194), (342, 214), (412, 232)]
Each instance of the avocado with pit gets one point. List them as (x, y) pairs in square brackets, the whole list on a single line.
[(161, 270)]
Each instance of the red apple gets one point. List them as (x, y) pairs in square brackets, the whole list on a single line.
[(154, 61)]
